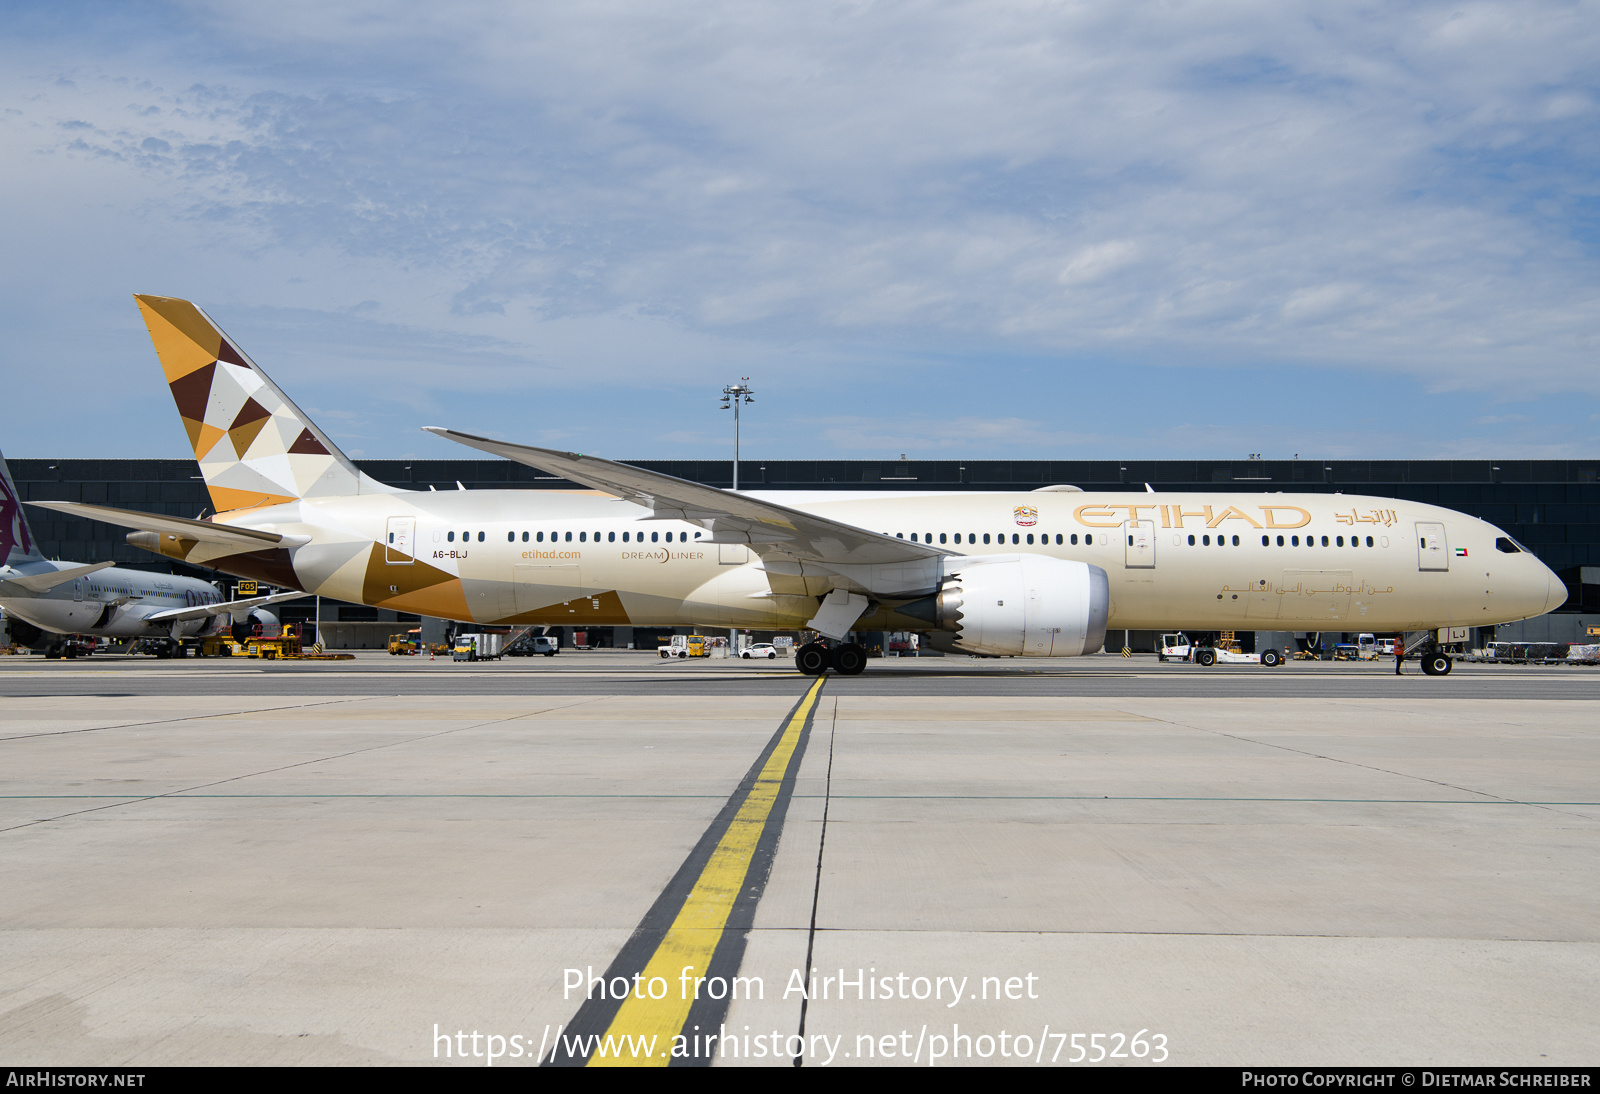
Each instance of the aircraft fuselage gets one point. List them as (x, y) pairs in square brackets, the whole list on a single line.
[(109, 603), (1174, 561)]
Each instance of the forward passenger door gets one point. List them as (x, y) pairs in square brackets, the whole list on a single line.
[(1433, 553)]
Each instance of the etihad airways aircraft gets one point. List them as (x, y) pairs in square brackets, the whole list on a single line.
[(47, 600), (1040, 574)]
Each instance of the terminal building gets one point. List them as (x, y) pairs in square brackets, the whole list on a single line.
[(1551, 506)]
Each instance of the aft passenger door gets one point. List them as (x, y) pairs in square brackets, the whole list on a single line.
[(402, 533), (1433, 553), (1139, 541)]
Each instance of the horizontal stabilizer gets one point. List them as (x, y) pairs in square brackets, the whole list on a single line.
[(44, 582), (203, 531), (178, 615)]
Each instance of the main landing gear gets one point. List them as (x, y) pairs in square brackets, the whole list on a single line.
[(814, 659), (1436, 664)]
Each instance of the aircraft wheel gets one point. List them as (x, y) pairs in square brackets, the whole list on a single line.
[(52, 653), (1271, 659), (812, 659), (1436, 664), (849, 660), (1206, 657)]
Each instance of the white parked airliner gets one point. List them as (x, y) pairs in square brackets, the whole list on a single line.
[(46, 601), (1040, 574)]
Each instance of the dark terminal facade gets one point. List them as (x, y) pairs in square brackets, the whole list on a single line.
[(1551, 506)]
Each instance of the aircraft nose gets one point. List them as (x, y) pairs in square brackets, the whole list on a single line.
[(1525, 587), (1557, 594)]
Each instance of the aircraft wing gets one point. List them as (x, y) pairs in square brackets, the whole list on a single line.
[(44, 582), (178, 615), (772, 531), (202, 530)]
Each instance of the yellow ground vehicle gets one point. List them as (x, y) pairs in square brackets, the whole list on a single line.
[(407, 643), (685, 645)]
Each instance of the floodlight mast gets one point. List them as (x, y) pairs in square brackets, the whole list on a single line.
[(732, 396)]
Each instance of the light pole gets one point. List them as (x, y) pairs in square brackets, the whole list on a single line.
[(732, 396)]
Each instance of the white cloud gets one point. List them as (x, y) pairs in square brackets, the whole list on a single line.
[(509, 197)]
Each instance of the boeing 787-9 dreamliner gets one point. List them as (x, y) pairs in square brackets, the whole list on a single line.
[(1038, 574)]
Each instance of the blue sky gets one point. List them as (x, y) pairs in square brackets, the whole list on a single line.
[(997, 230)]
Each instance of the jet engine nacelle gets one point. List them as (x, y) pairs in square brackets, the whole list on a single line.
[(245, 623), (1020, 606)]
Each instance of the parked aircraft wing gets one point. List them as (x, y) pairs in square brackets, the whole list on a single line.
[(772, 531), (43, 583), (202, 530), (178, 615)]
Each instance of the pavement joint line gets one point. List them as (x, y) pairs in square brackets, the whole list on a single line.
[(803, 797), (185, 718), (1369, 767), (134, 800), (816, 887), (696, 930)]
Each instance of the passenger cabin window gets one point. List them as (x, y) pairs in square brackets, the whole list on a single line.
[(1191, 541), (480, 537), (1280, 541), (1236, 541), (986, 537), (450, 537), (1266, 541)]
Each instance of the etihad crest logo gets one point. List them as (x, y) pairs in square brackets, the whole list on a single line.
[(1027, 516)]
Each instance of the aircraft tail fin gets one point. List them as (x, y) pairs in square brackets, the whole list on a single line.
[(254, 446), (16, 538)]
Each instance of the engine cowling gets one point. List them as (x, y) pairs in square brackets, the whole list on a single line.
[(256, 617), (1019, 606)]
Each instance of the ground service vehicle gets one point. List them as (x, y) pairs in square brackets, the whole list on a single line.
[(760, 649), (478, 647), (1224, 651), (684, 645)]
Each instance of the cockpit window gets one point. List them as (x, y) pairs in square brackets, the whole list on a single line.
[(1507, 545)]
